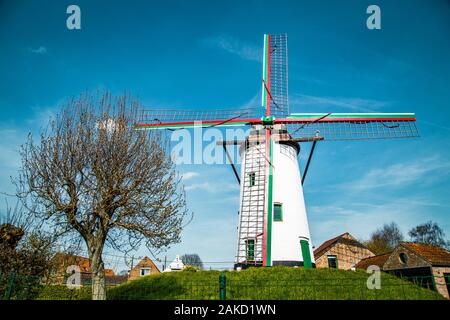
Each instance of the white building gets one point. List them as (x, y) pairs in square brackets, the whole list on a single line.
[(176, 265)]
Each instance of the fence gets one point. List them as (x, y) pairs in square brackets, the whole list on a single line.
[(248, 285)]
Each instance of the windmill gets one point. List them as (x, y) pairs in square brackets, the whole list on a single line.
[(273, 226)]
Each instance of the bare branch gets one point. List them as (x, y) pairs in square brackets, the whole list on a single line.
[(91, 173)]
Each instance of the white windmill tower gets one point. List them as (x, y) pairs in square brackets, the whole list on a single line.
[(273, 225), (274, 180)]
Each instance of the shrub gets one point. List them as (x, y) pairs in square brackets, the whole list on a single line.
[(62, 292)]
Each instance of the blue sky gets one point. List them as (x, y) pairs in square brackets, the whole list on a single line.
[(207, 54)]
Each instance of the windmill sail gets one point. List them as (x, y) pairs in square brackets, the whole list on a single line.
[(279, 74), (179, 118), (275, 75), (351, 126)]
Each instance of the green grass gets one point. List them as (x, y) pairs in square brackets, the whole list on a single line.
[(270, 283), (61, 292)]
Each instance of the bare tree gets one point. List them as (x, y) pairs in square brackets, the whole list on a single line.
[(93, 175), (385, 239), (429, 233)]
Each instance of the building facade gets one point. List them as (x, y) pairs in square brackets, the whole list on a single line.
[(62, 262), (145, 267), (341, 252), (427, 265), (424, 264)]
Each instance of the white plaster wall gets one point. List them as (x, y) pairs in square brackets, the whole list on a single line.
[(287, 190)]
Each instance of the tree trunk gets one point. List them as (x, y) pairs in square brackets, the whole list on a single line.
[(98, 276)]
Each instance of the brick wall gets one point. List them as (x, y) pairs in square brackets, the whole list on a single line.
[(413, 260), (438, 273), (135, 273), (347, 254)]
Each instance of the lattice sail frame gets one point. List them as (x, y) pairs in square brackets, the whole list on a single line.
[(351, 126), (279, 75), (330, 126), (183, 119)]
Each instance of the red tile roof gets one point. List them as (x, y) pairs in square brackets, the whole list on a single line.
[(433, 254), (63, 260), (379, 261), (109, 272), (318, 252)]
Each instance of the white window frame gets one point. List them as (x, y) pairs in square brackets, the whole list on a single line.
[(142, 271)]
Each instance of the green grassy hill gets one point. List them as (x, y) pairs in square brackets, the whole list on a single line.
[(270, 283)]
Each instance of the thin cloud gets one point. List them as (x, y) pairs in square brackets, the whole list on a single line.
[(356, 104), (235, 46), (40, 50), (41, 115), (253, 103), (198, 186), (401, 175), (360, 219), (217, 187), (189, 175), (12, 138)]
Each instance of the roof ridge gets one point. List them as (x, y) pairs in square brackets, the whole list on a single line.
[(378, 255), (328, 244)]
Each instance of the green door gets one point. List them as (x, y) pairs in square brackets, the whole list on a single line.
[(447, 282), (306, 254)]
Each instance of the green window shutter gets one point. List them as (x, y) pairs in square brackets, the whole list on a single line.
[(251, 179), (307, 263), (250, 249), (277, 212)]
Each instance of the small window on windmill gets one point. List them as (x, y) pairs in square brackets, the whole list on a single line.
[(250, 249), (277, 212), (251, 179)]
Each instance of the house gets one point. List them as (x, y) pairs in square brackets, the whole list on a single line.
[(341, 252), (145, 267), (62, 261), (176, 265), (427, 265)]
